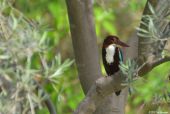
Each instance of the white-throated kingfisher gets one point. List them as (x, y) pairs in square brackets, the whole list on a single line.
[(112, 55)]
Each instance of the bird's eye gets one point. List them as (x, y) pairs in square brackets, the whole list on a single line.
[(113, 40)]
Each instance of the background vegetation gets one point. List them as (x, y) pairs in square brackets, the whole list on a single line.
[(119, 17)]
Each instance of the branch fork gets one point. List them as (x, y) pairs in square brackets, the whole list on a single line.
[(104, 86)]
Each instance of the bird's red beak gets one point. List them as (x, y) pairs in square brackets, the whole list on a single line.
[(122, 44)]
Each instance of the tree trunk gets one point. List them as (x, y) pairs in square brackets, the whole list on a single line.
[(86, 53), (84, 41)]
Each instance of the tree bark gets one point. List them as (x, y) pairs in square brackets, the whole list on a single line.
[(104, 87), (84, 41), (116, 104), (86, 53), (87, 60)]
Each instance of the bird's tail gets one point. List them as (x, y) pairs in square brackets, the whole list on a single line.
[(117, 93)]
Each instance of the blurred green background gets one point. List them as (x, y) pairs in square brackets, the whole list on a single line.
[(119, 17)]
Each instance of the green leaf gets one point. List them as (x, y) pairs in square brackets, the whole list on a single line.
[(151, 8)]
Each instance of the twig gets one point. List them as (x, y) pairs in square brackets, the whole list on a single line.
[(160, 61), (148, 66), (31, 104), (48, 101), (50, 106)]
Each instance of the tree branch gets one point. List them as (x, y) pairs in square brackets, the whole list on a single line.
[(85, 49), (104, 86), (160, 61), (148, 66), (49, 104)]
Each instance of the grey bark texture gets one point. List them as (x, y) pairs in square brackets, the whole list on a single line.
[(99, 90), (84, 41), (103, 89)]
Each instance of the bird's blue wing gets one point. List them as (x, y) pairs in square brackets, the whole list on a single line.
[(120, 55)]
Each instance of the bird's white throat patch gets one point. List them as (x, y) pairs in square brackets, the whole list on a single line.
[(110, 52)]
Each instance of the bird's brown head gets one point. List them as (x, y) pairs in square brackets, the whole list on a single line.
[(113, 40)]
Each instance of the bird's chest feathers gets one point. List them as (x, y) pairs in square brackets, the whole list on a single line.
[(110, 52)]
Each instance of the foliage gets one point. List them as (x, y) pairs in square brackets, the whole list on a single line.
[(152, 25), (129, 71), (111, 17), (153, 89), (20, 40)]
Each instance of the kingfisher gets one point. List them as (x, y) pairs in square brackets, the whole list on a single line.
[(112, 55)]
